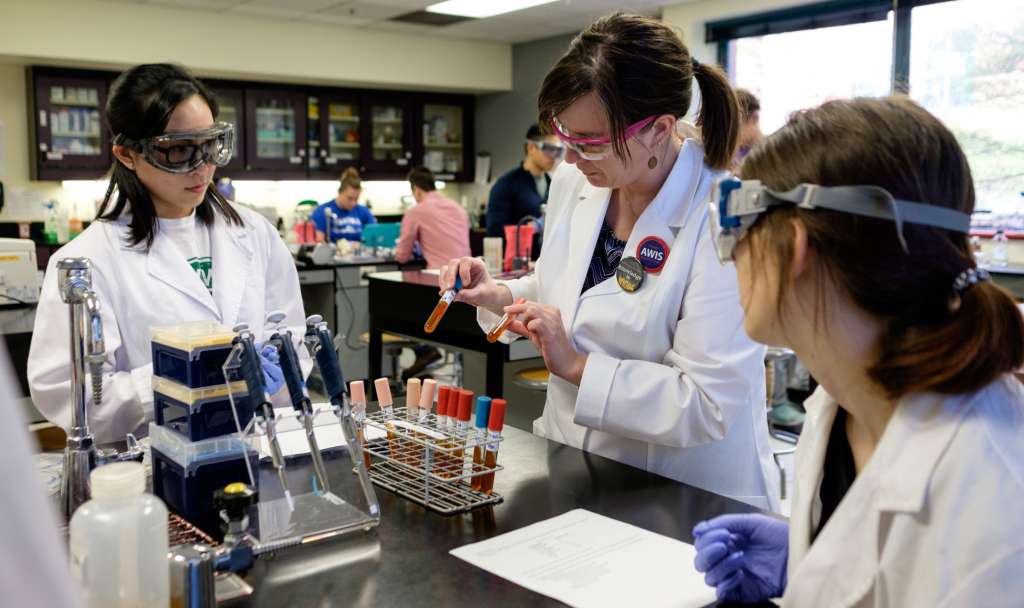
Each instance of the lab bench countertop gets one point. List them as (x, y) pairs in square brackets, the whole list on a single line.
[(405, 561)]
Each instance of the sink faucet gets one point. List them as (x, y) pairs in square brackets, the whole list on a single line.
[(74, 277)]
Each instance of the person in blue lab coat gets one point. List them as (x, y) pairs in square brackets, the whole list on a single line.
[(349, 216), (522, 191)]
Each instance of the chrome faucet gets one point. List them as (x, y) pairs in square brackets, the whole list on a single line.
[(74, 278)]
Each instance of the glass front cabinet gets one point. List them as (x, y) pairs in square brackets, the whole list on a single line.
[(275, 133), (387, 136), (281, 131), (70, 139), (230, 99), (446, 145), (335, 139)]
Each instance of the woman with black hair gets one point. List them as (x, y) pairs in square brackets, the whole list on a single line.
[(166, 248)]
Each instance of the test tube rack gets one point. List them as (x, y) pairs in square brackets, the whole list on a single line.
[(428, 464)]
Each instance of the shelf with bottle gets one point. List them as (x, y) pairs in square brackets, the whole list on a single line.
[(387, 121), (345, 145), (274, 111), (342, 118), (74, 104), (443, 146), (76, 134)]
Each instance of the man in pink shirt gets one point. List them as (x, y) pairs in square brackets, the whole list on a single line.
[(439, 224), (441, 227)]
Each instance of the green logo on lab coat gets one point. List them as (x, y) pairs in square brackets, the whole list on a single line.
[(204, 268)]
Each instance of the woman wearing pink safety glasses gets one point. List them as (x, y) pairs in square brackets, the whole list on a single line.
[(639, 324)]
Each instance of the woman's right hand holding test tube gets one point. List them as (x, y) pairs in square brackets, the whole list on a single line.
[(478, 287)]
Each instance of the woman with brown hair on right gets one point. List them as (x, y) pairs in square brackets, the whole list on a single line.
[(849, 234)]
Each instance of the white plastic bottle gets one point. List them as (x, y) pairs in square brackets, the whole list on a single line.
[(119, 541), (1000, 249)]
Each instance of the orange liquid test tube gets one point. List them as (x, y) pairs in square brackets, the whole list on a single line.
[(442, 307), (483, 410), (444, 459), (503, 323), (461, 426), (357, 391), (495, 423)]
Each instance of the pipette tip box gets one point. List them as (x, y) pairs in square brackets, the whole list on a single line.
[(192, 354), (200, 413)]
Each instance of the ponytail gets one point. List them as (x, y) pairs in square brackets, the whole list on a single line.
[(350, 179), (719, 118), (982, 340)]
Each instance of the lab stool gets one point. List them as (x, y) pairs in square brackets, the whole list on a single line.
[(392, 346), (453, 358), (533, 378)]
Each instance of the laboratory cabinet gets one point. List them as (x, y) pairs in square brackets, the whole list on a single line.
[(68, 138), (334, 123), (445, 145), (282, 131), (388, 135), (275, 133), (231, 105)]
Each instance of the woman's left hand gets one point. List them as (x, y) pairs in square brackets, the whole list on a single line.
[(542, 324)]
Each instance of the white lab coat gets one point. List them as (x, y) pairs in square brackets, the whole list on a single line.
[(672, 384), (253, 275), (35, 563), (933, 519)]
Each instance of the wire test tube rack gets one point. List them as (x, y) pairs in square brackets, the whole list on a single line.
[(427, 463)]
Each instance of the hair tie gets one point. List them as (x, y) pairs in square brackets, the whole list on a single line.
[(965, 279), (696, 64)]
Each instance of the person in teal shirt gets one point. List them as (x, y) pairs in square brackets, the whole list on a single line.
[(349, 216)]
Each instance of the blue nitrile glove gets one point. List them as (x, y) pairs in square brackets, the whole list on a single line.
[(273, 377), (743, 556)]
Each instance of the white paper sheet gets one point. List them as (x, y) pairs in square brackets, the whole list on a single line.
[(291, 435), (592, 561)]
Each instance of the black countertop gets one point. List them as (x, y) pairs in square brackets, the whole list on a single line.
[(405, 561)]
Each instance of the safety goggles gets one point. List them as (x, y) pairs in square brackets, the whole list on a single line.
[(555, 151), (186, 151), (595, 148), (736, 205)]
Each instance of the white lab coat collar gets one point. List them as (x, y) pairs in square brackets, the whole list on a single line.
[(229, 248), (679, 200), (891, 482)]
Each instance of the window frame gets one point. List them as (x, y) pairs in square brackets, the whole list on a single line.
[(821, 15)]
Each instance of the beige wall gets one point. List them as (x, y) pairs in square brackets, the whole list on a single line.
[(117, 34), (691, 18)]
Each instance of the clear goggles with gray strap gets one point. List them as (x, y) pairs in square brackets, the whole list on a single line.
[(736, 205), (186, 151)]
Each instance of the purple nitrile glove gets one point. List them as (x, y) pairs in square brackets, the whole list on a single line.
[(743, 556)]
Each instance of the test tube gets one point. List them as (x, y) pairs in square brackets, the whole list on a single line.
[(503, 323), (444, 459), (357, 391), (426, 399), (412, 398), (483, 410), (442, 306), (412, 405), (495, 423), (462, 423), (387, 406), (443, 394)]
